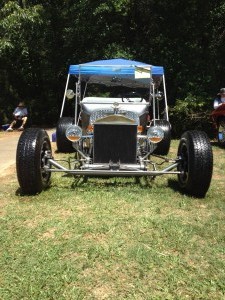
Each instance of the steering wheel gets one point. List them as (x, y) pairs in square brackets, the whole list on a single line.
[(130, 95)]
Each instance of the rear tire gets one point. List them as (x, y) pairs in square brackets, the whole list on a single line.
[(163, 147), (197, 163), (63, 144), (30, 160), (221, 132)]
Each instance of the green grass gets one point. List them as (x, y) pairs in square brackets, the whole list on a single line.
[(113, 239)]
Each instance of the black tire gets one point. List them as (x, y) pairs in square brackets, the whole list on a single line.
[(63, 144), (197, 163), (221, 132), (163, 147), (30, 161)]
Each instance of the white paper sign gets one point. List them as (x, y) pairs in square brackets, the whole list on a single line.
[(142, 72)]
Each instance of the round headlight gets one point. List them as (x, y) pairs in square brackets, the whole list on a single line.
[(73, 133), (155, 134), (70, 94)]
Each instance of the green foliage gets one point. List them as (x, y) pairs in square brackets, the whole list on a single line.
[(18, 27), (191, 113), (40, 39), (20, 50)]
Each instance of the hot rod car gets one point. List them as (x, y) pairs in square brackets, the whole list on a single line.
[(218, 118), (123, 130)]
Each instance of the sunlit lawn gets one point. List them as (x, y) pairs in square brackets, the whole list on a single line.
[(113, 238)]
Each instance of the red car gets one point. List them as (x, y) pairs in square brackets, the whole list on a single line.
[(218, 117)]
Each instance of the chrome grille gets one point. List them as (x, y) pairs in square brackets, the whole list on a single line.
[(101, 113)]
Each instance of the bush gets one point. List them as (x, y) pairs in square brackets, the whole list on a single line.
[(191, 113)]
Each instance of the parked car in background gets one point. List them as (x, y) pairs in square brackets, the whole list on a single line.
[(118, 126)]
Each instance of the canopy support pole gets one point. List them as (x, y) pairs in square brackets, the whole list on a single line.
[(153, 96), (165, 97), (76, 106), (64, 97)]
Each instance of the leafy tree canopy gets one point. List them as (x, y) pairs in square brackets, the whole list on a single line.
[(39, 39)]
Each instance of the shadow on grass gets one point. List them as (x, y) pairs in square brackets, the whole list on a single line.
[(20, 193), (85, 183), (173, 184), (106, 182), (217, 145)]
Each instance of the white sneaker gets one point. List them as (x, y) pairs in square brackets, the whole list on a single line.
[(21, 128), (9, 129)]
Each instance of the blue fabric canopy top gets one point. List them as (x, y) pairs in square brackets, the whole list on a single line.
[(114, 72)]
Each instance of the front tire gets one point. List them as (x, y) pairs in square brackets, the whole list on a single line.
[(30, 160), (221, 132), (196, 163), (63, 144)]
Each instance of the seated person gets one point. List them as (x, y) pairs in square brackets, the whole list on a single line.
[(20, 116), (220, 99)]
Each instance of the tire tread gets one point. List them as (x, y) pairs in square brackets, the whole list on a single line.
[(28, 160), (200, 162)]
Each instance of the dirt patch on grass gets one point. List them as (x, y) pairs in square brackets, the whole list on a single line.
[(103, 292), (49, 234), (8, 174)]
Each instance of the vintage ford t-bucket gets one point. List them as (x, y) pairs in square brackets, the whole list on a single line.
[(122, 131)]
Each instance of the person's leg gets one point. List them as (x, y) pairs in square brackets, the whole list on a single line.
[(11, 126), (24, 120)]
